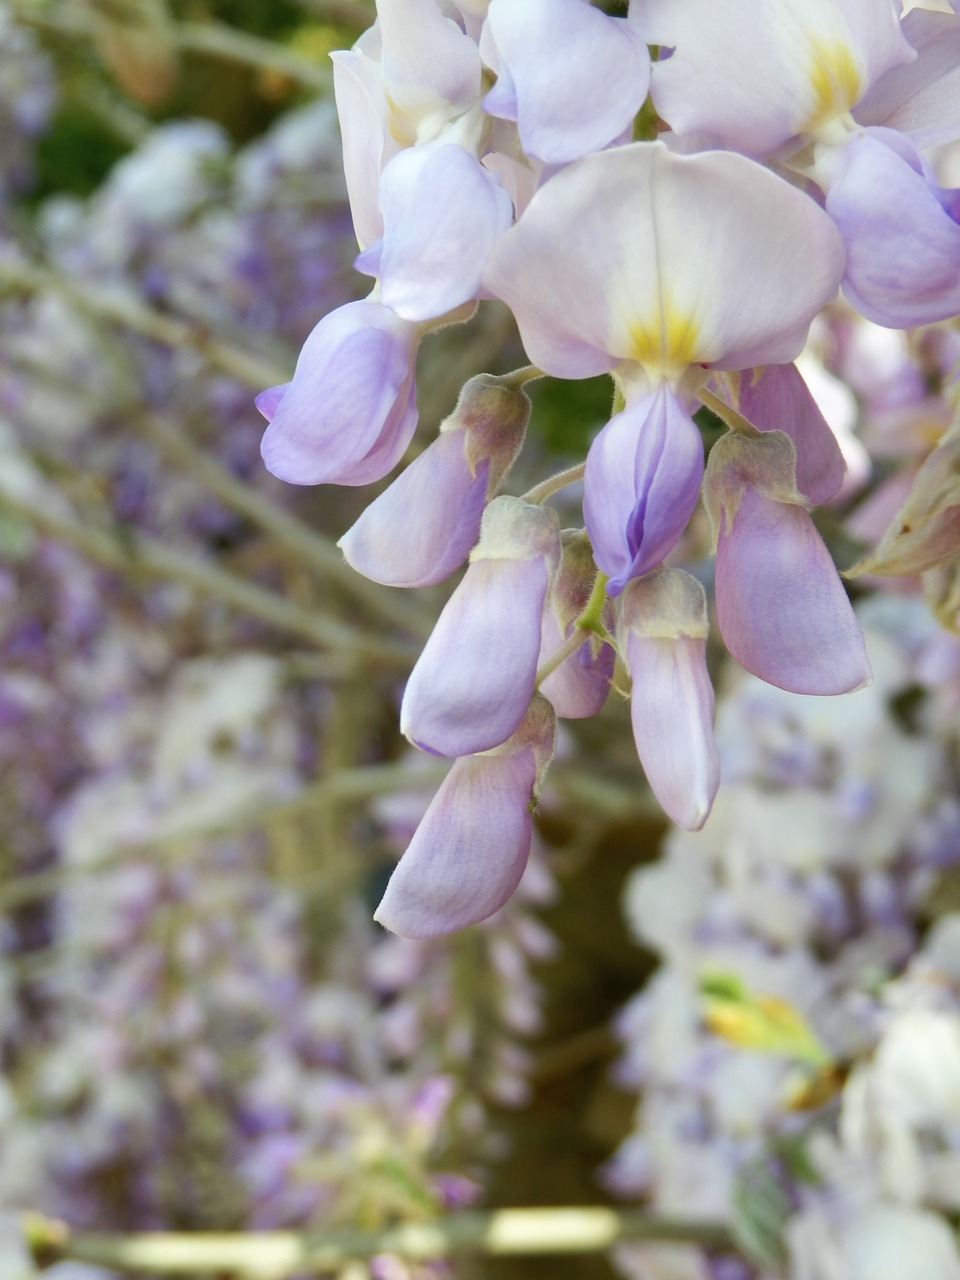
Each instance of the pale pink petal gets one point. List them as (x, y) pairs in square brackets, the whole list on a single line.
[(781, 607)]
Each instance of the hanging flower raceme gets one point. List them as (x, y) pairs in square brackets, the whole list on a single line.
[(660, 268)]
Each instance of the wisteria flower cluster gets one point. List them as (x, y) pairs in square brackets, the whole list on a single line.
[(797, 1048), (489, 152)]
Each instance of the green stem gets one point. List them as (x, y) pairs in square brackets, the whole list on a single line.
[(501, 1233), (727, 414), (591, 619), (554, 484), (520, 377)]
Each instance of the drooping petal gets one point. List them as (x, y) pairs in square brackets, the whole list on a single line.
[(473, 682), (442, 214), (900, 230), (549, 52), (423, 527), (662, 634), (781, 607), (776, 398), (754, 76), (426, 523), (350, 411), (921, 98), (470, 850), (638, 254), (641, 485)]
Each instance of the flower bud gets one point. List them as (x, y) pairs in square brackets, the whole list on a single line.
[(579, 686), (781, 607), (422, 528), (662, 633), (473, 681), (471, 847)]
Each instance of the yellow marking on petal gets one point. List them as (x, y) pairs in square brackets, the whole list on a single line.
[(835, 81), (666, 342)]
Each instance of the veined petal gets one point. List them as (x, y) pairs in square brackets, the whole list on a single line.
[(754, 76), (549, 55), (638, 254), (641, 485), (903, 246), (350, 411), (781, 607), (442, 214), (471, 847), (776, 398)]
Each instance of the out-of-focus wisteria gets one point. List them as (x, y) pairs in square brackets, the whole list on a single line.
[(751, 1032), (201, 1025)]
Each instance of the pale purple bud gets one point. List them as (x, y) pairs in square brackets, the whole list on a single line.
[(442, 214), (350, 411), (470, 850), (641, 485), (781, 607), (900, 231), (423, 527), (472, 683), (925, 531), (776, 398), (662, 632), (579, 686)]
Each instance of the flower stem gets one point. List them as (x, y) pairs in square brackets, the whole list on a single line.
[(555, 483), (502, 1232)]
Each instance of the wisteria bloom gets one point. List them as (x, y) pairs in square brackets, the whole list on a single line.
[(835, 88), (663, 269)]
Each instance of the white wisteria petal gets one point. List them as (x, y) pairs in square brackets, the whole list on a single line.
[(756, 75), (638, 254), (549, 53), (921, 98), (442, 214)]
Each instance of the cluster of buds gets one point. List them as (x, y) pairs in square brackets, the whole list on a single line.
[(489, 151)]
